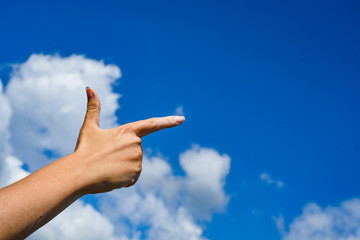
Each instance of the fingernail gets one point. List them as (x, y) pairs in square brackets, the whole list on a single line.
[(179, 119), (90, 94)]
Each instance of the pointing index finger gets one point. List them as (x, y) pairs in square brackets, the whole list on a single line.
[(145, 127)]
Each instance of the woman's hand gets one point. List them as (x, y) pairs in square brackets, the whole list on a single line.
[(111, 158), (103, 160)]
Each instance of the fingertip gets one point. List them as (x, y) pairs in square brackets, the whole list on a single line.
[(93, 107), (90, 93), (179, 119)]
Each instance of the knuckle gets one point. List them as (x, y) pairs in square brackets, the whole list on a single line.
[(93, 107), (168, 121), (138, 154), (153, 123), (137, 140), (125, 129), (133, 139), (138, 168)]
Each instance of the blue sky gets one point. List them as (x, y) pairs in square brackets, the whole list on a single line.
[(272, 84)]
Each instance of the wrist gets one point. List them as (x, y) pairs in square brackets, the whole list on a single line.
[(83, 175), (71, 174)]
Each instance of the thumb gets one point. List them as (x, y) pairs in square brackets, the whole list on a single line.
[(92, 116)]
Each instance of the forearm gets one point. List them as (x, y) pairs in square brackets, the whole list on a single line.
[(31, 202)]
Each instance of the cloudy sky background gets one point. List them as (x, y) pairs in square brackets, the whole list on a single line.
[(270, 148)]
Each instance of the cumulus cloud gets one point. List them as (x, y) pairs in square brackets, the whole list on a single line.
[(5, 149), (79, 221), (267, 178), (42, 109), (170, 205), (47, 96), (132, 211), (5, 113), (206, 170), (330, 223), (11, 170)]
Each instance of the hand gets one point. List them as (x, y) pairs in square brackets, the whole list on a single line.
[(103, 160), (111, 158)]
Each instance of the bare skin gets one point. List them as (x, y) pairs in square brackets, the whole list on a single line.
[(103, 160)]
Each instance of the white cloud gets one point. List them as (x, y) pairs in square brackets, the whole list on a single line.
[(11, 170), (47, 97), (80, 221), (45, 101), (280, 224), (206, 170), (5, 149), (5, 113), (170, 205), (131, 211), (330, 223), (179, 111), (267, 178)]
